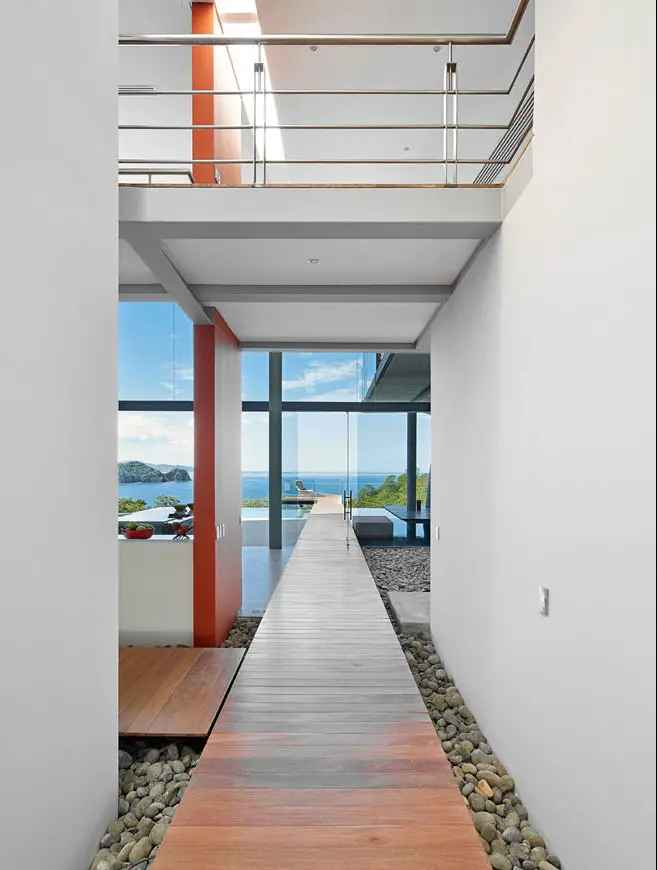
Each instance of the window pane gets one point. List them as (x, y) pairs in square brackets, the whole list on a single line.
[(326, 377), (255, 503), (255, 461), (156, 351), (255, 376), (156, 459)]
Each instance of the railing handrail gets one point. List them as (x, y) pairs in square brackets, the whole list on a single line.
[(353, 39)]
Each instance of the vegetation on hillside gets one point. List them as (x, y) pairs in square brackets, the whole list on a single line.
[(166, 501), (391, 491), (140, 472), (131, 505)]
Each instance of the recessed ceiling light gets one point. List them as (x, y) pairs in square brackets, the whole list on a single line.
[(313, 261)]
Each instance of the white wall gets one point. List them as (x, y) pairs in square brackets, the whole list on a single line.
[(156, 592), (165, 68), (228, 479), (58, 286), (543, 414)]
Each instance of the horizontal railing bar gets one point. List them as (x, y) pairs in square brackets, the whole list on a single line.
[(163, 171), (307, 92), (521, 101), (520, 65), (319, 39), (229, 162), (315, 127), (344, 39), (333, 92)]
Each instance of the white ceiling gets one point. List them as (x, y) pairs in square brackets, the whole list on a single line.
[(341, 261)]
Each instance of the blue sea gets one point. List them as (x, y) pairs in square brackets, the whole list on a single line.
[(256, 485)]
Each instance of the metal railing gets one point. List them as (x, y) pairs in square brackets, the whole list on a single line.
[(515, 131)]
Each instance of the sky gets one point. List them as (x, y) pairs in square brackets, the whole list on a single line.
[(156, 362)]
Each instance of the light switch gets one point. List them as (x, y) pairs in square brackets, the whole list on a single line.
[(543, 601)]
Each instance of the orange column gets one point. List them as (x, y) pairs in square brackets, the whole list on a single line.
[(212, 70), (203, 16), (217, 583)]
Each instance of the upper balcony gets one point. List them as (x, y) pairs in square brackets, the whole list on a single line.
[(319, 188), (232, 93)]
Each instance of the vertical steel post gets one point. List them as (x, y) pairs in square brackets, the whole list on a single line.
[(450, 98), (446, 115), (257, 79), (455, 110), (264, 121), (411, 469), (275, 451)]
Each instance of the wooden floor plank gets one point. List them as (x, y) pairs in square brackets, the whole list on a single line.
[(173, 692), (323, 755)]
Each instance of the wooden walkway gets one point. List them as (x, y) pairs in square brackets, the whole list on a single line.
[(173, 692), (323, 757)]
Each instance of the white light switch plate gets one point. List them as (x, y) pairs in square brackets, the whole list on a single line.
[(543, 601)]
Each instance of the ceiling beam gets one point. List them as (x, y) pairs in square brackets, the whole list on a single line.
[(146, 247), (213, 294), (223, 227), (368, 346)]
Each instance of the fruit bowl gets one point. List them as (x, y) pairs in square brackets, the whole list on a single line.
[(140, 534)]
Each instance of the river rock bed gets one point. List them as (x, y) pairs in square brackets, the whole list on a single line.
[(400, 569), (501, 819), (152, 780), (242, 632)]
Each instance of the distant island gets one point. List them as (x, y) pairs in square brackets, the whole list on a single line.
[(140, 472)]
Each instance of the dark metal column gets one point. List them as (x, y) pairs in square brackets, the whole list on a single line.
[(275, 451), (411, 470)]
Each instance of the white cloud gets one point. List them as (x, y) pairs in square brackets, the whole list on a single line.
[(319, 374), (161, 438), (182, 373)]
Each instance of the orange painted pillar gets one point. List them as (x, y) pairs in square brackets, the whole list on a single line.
[(204, 487), (212, 69), (203, 16), (217, 573)]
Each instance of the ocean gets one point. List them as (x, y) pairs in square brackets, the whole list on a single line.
[(256, 485)]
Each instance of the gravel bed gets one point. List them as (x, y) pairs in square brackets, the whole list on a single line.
[(242, 632), (400, 569)]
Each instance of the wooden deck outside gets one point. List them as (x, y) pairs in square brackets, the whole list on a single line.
[(323, 757), (173, 692)]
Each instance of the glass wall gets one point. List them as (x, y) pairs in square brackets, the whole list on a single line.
[(155, 448), (255, 478), (156, 352), (326, 377), (156, 463), (315, 455), (255, 376), (378, 472)]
